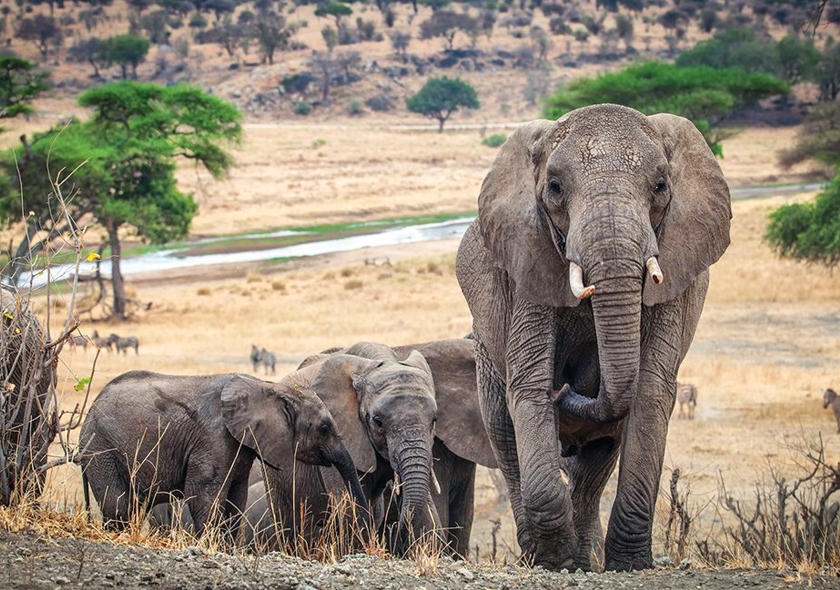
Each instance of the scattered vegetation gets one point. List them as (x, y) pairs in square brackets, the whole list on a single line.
[(495, 140), (440, 97)]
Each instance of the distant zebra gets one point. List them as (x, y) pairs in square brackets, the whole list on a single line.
[(99, 342), (830, 398), (260, 356), (123, 343), (82, 341), (687, 395)]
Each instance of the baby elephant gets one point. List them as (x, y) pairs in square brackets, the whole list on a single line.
[(149, 437), (830, 398), (687, 396)]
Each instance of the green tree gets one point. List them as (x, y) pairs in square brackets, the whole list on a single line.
[(272, 33), (447, 24), (734, 48), (129, 150), (827, 73), (336, 10), (440, 97), (20, 84), (93, 51), (128, 50), (797, 59), (706, 96), (808, 231)]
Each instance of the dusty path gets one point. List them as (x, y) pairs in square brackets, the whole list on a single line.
[(34, 563)]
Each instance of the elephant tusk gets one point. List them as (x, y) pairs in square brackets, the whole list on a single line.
[(435, 483), (396, 485), (654, 271), (576, 282)]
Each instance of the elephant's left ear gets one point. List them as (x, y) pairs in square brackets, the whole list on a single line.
[(260, 415), (694, 232), (459, 422)]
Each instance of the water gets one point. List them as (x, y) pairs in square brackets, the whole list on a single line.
[(172, 259)]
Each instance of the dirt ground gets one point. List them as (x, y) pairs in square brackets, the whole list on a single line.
[(34, 563)]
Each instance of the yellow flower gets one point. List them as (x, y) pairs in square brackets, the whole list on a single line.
[(93, 256)]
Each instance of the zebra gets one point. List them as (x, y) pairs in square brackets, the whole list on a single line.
[(830, 398), (123, 343), (687, 395), (260, 356), (76, 341), (99, 342)]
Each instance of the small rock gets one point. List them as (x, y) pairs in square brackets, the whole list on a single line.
[(465, 572), (685, 564), (663, 561), (61, 580), (564, 571), (578, 572)]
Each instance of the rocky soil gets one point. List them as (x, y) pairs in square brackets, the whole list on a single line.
[(29, 562)]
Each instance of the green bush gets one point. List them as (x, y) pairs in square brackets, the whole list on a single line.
[(354, 108), (302, 108), (495, 140), (808, 231), (440, 97), (700, 93)]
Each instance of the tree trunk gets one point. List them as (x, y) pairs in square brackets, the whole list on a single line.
[(124, 71), (117, 282), (440, 125)]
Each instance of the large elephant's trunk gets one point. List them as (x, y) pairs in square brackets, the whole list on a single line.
[(412, 461), (614, 265)]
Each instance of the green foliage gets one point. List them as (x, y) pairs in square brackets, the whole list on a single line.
[(333, 9), (355, 108), (703, 94), (302, 108), (791, 58), (20, 84), (808, 231), (495, 140), (440, 97), (128, 51)]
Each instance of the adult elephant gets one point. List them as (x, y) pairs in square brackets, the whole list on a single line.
[(638, 208), (149, 436)]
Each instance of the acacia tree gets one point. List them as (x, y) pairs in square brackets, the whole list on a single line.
[(447, 24), (41, 30), (129, 149), (272, 33), (128, 51), (336, 10), (20, 84), (440, 97), (93, 51)]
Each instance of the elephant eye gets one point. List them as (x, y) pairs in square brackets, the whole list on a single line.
[(555, 186), (661, 185), (378, 421), (324, 428)]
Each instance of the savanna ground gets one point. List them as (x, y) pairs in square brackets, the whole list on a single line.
[(765, 348)]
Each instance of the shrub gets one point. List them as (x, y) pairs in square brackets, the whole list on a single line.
[(380, 103), (440, 97), (353, 284), (495, 140), (354, 108), (302, 108)]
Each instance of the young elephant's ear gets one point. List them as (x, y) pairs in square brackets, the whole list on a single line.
[(459, 422), (694, 232), (418, 361), (261, 416), (512, 226), (333, 383)]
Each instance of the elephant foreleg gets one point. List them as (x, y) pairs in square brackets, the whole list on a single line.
[(544, 487), (497, 421), (590, 470), (237, 501), (461, 507)]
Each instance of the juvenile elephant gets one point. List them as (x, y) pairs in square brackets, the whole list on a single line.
[(149, 436), (586, 272), (371, 390)]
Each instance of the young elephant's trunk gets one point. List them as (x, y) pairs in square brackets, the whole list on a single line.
[(412, 461), (343, 462)]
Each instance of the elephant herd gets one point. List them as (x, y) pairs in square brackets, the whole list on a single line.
[(585, 273), (362, 419)]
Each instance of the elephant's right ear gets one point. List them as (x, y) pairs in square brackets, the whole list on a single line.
[(261, 417), (334, 385), (514, 230)]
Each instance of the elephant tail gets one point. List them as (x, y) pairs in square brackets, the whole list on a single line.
[(86, 491)]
